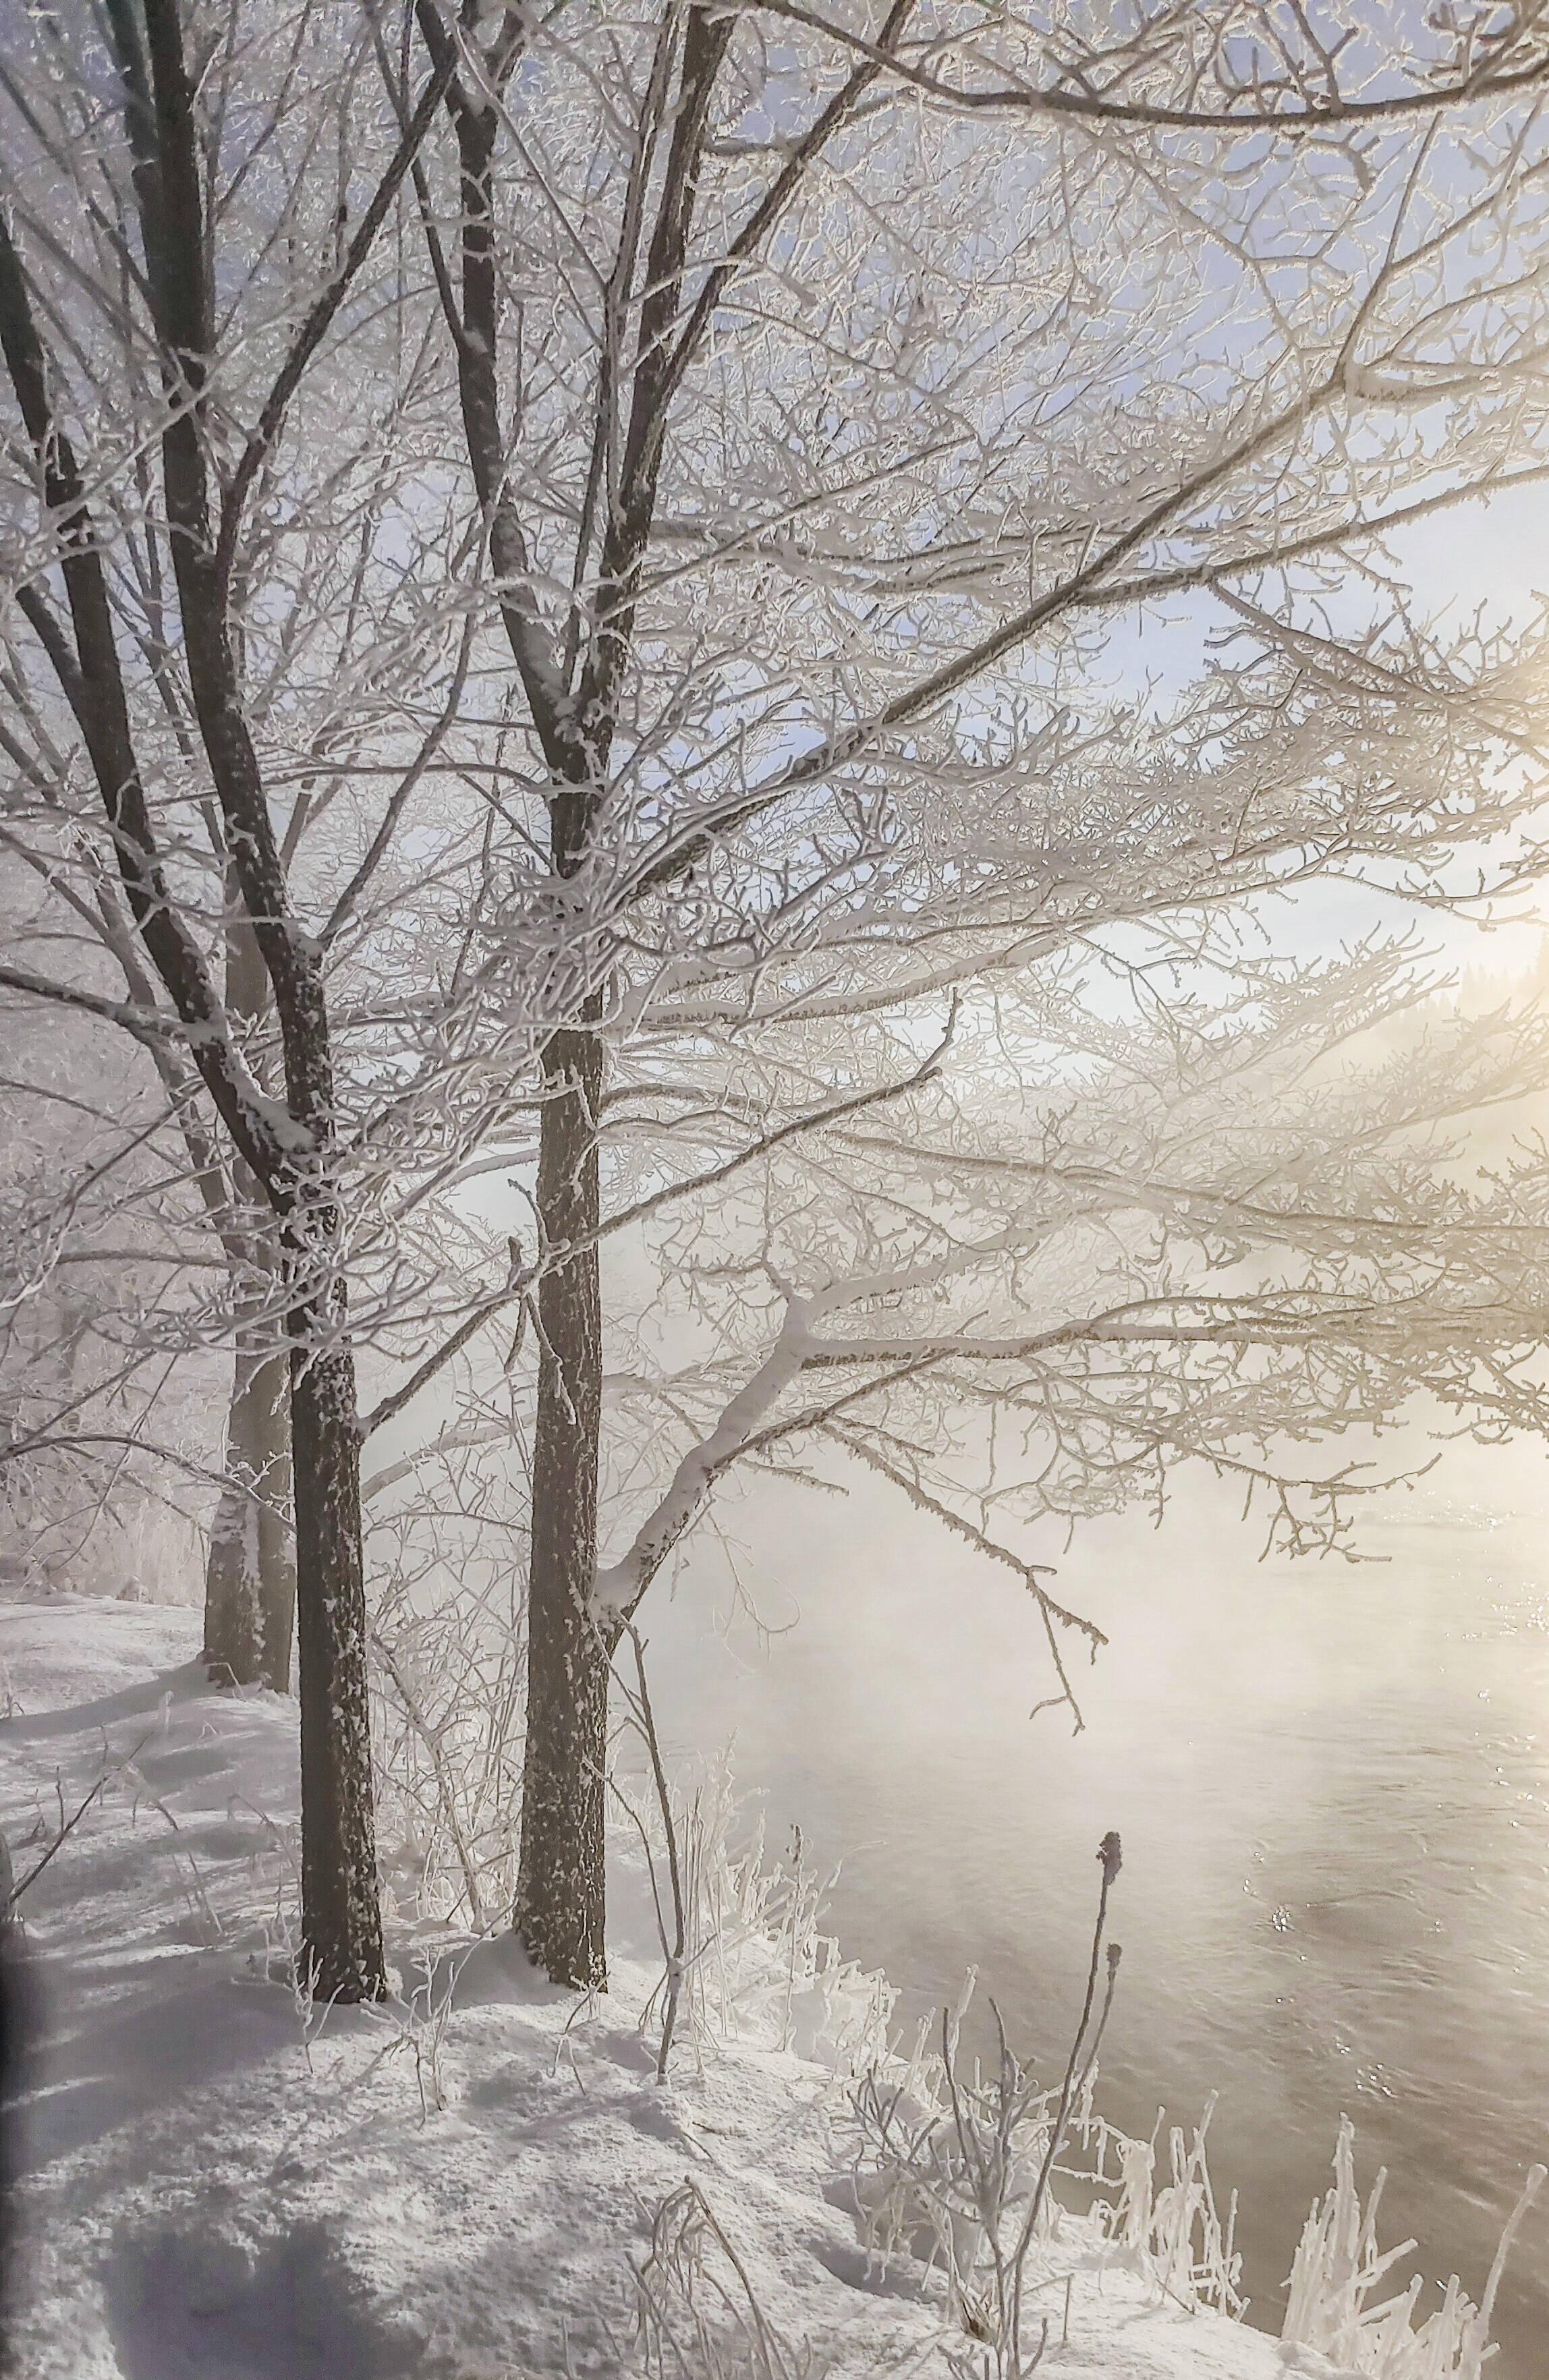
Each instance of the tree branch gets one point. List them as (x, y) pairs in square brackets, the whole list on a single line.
[(146, 1025), (524, 1278), (1095, 107), (314, 329)]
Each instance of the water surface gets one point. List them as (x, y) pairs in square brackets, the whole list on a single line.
[(1332, 1788)]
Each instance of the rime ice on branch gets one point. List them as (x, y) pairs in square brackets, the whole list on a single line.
[(552, 657)]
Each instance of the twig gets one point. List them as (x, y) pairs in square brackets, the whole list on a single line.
[(672, 1953), (68, 1826)]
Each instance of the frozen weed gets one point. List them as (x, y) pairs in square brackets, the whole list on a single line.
[(417, 2022), (698, 2315), (1338, 2265), (755, 1965), (449, 1681), (955, 2169)]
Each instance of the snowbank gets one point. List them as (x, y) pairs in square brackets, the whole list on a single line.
[(453, 2188)]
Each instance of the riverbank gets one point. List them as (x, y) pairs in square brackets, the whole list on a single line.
[(218, 2185), (1332, 1780)]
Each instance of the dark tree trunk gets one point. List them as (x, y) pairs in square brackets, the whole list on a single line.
[(249, 1586), (341, 1920), (559, 1911), (249, 1583), (560, 1905), (341, 1910)]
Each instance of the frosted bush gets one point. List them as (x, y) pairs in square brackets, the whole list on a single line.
[(448, 1686), (1338, 2266), (946, 2168), (1176, 2233), (757, 1966), (771, 1974), (955, 2168)]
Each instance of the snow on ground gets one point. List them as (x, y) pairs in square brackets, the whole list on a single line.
[(209, 2196)]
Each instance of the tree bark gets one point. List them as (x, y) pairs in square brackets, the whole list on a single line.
[(249, 1586), (250, 1581), (560, 1904), (341, 1910)]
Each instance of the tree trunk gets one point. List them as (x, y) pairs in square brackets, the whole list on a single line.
[(249, 1584), (560, 1908), (341, 1912)]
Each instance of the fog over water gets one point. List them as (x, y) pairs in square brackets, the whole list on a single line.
[(1333, 1787)]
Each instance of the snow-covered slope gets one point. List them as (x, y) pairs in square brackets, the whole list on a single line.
[(209, 2195)]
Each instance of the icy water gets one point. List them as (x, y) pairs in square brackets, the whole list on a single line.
[(1332, 1788)]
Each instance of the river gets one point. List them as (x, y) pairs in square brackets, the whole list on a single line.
[(1332, 1784)]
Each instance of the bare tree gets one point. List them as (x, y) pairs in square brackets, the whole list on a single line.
[(625, 589), (146, 210), (150, 1182), (838, 389)]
